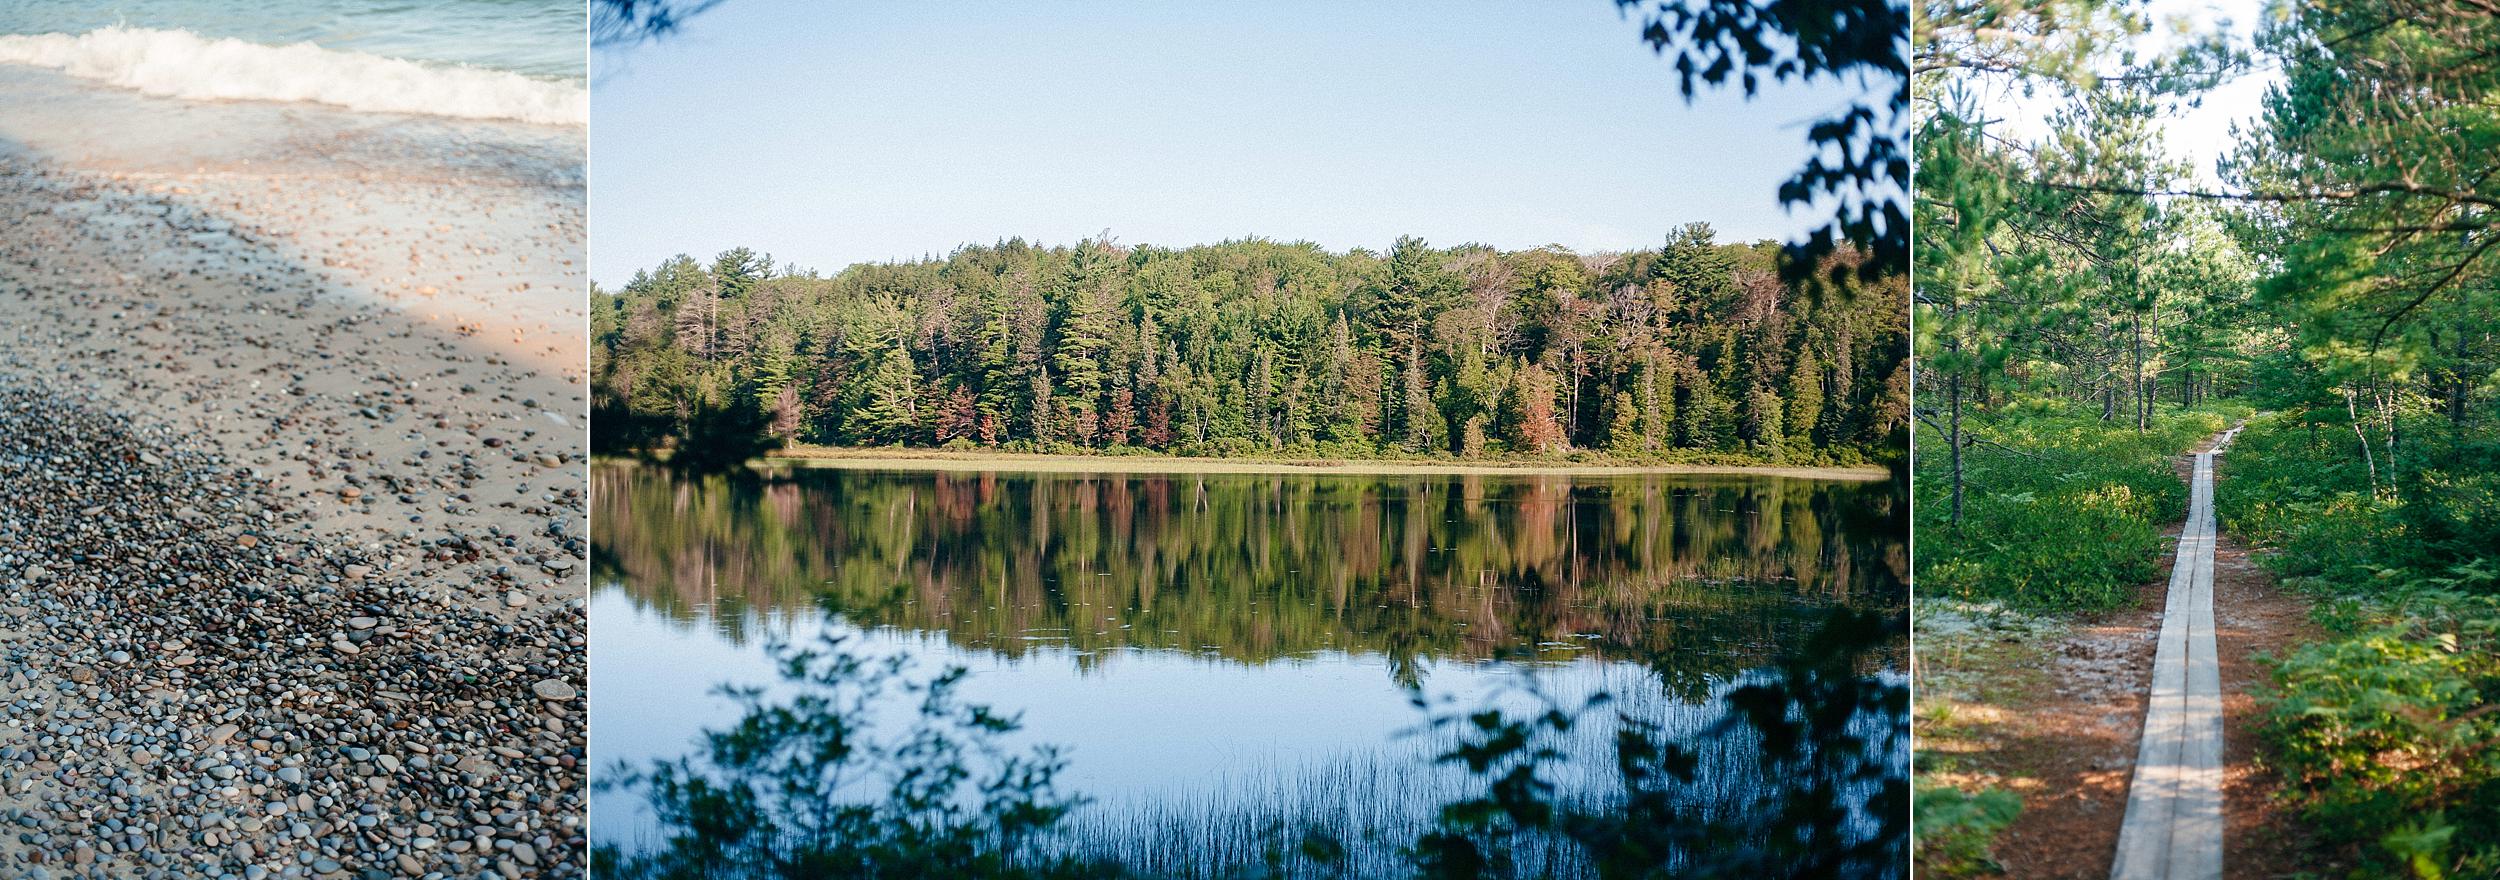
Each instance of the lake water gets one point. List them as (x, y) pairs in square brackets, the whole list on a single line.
[(1208, 645)]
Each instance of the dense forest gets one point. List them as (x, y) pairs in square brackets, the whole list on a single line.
[(1695, 351), (2088, 309)]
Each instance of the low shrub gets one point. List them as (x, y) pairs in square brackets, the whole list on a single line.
[(819, 786), (2388, 732), (1955, 829), (2389, 740), (2061, 511)]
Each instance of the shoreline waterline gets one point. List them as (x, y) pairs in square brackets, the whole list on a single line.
[(1032, 462)]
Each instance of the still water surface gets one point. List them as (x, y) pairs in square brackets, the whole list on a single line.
[(1217, 643)]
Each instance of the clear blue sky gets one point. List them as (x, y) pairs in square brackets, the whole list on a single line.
[(833, 133)]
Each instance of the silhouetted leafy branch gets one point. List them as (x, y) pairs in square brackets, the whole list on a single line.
[(616, 24), (1830, 797), (1862, 159), (816, 785)]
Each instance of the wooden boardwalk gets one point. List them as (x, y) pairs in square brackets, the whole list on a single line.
[(2173, 826)]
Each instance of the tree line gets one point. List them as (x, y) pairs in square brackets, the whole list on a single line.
[(1696, 350)]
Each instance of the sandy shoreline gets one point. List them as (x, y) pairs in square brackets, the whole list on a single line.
[(942, 460), (374, 367)]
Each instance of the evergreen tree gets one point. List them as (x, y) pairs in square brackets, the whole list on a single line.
[(893, 411), (1415, 410), (1623, 433), (1803, 410), (1540, 427), (737, 271)]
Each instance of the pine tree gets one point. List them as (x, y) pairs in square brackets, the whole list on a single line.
[(1121, 418), (786, 415), (1657, 405), (959, 418), (1416, 288), (1044, 415), (1804, 407), (1415, 409), (893, 411), (1084, 345), (1702, 276), (1148, 389), (998, 365), (1698, 414), (1762, 425), (1623, 434), (1340, 411), (737, 270)]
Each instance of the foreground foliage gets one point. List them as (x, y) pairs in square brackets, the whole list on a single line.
[(1827, 795), (815, 786), (2387, 731), (1955, 828)]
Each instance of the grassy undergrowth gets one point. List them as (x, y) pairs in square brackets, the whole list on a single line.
[(2062, 511), (2388, 732)]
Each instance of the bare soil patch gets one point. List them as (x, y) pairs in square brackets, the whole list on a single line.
[(2067, 743)]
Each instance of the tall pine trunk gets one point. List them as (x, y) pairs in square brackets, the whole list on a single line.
[(2143, 403), (1953, 403)]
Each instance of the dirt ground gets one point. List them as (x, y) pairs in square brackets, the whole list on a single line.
[(2058, 718), (2064, 738), (2254, 618)]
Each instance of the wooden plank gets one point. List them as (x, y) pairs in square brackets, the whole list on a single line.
[(2173, 826)]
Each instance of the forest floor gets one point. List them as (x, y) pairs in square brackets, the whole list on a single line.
[(2051, 708), (984, 460)]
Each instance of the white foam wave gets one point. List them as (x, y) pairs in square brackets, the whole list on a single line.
[(181, 64)]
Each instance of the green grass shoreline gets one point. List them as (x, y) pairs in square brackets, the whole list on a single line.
[(906, 458)]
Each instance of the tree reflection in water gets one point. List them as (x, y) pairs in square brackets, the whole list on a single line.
[(1774, 600)]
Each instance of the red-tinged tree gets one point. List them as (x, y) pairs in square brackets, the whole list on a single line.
[(1121, 419), (959, 416)]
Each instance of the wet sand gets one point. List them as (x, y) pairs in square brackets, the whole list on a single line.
[(301, 592)]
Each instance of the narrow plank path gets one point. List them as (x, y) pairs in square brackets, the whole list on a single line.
[(2173, 825)]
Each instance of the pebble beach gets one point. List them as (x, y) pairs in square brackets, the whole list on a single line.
[(292, 436)]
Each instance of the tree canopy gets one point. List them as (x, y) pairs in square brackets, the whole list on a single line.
[(1695, 349)]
